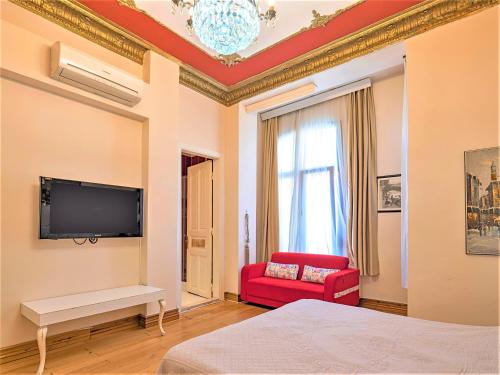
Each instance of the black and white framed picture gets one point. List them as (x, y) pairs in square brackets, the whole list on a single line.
[(482, 201), (389, 193)]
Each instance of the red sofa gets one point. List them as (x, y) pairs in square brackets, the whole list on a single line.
[(340, 287)]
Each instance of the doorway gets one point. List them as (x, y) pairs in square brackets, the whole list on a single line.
[(197, 232)]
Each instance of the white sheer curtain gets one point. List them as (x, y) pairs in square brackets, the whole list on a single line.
[(311, 180), (404, 190)]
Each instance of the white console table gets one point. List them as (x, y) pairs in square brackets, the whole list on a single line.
[(44, 312)]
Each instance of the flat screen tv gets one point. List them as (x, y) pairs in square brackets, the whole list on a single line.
[(76, 209)]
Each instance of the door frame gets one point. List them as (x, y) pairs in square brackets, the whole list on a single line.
[(217, 222)]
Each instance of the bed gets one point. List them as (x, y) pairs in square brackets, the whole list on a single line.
[(311, 336)]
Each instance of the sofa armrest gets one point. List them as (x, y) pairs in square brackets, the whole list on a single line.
[(341, 283), (248, 272)]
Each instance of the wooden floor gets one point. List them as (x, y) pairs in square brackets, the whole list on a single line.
[(136, 350)]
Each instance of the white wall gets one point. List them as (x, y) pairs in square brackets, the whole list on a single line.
[(201, 131), (79, 143), (240, 140), (49, 128), (201, 121), (453, 96), (247, 181)]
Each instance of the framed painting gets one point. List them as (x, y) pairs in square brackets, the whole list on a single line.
[(389, 193), (482, 201)]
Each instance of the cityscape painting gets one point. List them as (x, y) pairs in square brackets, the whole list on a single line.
[(482, 195)]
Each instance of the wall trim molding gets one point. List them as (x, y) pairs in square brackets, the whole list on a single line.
[(372, 304), (384, 306), (76, 337), (233, 297), (152, 320), (415, 20)]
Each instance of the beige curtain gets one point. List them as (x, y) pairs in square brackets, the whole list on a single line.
[(269, 220), (362, 183)]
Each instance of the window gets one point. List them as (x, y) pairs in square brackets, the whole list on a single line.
[(309, 189)]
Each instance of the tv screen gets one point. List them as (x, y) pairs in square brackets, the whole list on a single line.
[(75, 209)]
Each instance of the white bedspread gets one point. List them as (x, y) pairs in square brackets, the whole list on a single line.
[(311, 336)]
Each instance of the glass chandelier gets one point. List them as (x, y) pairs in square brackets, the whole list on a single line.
[(226, 26)]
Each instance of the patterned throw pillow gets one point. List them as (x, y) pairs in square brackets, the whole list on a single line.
[(282, 271), (316, 275)]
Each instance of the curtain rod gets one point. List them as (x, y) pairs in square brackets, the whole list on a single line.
[(316, 99)]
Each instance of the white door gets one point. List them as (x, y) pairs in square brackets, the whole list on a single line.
[(199, 229)]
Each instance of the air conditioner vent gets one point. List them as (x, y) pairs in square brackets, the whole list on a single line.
[(89, 74)]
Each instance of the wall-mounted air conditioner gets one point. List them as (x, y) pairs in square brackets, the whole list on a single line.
[(87, 73)]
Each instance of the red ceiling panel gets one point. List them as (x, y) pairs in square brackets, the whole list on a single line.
[(140, 24)]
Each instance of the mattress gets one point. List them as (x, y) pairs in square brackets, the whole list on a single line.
[(311, 336)]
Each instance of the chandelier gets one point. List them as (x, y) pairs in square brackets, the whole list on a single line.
[(226, 26)]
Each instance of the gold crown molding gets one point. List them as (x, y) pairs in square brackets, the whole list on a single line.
[(75, 18), (197, 81), (420, 18)]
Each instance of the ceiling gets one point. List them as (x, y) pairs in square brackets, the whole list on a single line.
[(355, 29), (293, 15), (152, 22)]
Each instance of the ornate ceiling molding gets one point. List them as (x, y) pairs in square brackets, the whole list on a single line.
[(74, 17), (230, 60), (205, 85), (413, 21), (420, 18), (320, 20), (129, 3)]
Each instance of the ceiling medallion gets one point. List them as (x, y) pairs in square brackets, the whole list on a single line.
[(225, 26)]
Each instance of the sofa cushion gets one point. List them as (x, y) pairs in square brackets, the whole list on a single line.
[(284, 290), (316, 274), (282, 271), (315, 260)]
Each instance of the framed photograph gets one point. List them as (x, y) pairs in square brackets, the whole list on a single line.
[(389, 193), (482, 201)]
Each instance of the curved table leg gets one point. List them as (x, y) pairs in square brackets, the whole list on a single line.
[(163, 305), (41, 338)]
